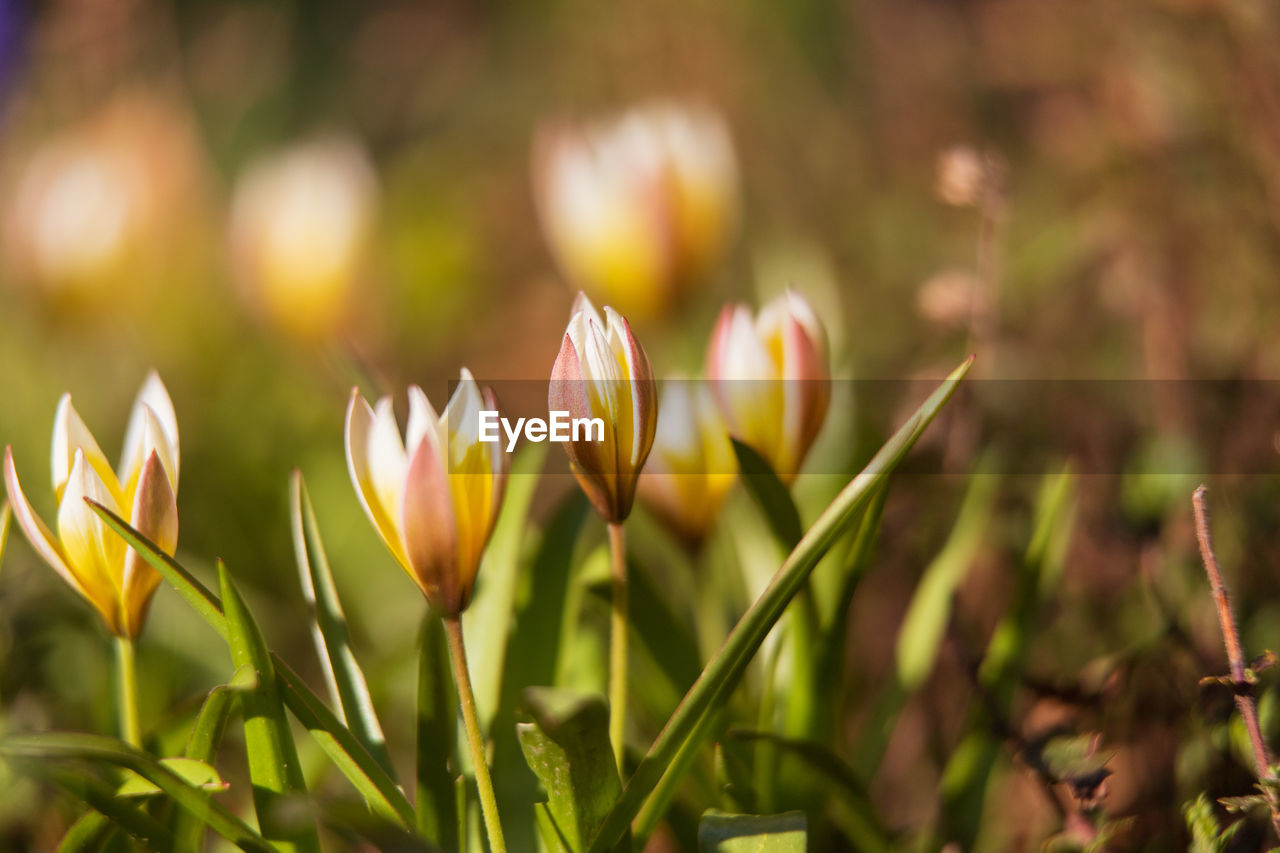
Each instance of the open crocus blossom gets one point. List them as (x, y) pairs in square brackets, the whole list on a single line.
[(433, 497), (692, 466), (603, 372), (771, 379), (90, 556), (637, 207)]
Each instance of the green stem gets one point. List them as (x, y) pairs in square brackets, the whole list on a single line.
[(618, 646), (127, 692), (467, 699)]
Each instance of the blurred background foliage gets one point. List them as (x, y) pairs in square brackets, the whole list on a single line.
[(1126, 229)]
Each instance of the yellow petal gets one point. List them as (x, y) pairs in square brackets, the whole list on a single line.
[(357, 435), (95, 554), (69, 435)]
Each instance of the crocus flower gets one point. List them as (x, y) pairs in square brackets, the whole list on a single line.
[(301, 224), (692, 466), (434, 497), (603, 372), (89, 555), (635, 208), (771, 379)]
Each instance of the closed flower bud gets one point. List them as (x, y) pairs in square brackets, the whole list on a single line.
[(692, 466), (771, 379), (301, 225), (433, 497), (602, 372), (639, 207), (88, 555)]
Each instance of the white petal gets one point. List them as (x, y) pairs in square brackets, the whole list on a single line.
[(155, 397), (38, 533), (422, 419), (357, 437), (463, 416), (69, 435), (388, 463)]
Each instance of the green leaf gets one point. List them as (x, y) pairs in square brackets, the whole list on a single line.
[(108, 813), (567, 747), (38, 752), (655, 808), (739, 833), (725, 669), (195, 773), (273, 758), (858, 814), (347, 685), (486, 622), (90, 831), (533, 648), (348, 755), (206, 736), (770, 494), (437, 738), (925, 623)]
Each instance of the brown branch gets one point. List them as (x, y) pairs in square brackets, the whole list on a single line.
[(1243, 687)]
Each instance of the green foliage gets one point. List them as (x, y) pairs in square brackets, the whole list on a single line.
[(347, 686), (273, 759), (566, 743), (737, 833)]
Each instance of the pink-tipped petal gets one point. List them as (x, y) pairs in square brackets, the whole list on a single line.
[(155, 516), (431, 532)]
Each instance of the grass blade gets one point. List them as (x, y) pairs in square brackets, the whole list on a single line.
[(346, 681), (38, 751), (437, 738), (109, 812), (725, 669), (770, 494), (273, 758), (348, 755)]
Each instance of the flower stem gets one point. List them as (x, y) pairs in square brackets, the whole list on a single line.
[(618, 645), (1245, 702), (127, 692), (467, 699)]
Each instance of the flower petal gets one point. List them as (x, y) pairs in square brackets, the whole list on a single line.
[(357, 434), (95, 554), (155, 516), (69, 435), (430, 531), (38, 533), (155, 397)]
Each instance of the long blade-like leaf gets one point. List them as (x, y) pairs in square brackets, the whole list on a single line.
[(724, 670), (36, 751), (347, 683), (203, 742), (353, 760), (110, 812), (273, 758), (437, 738)]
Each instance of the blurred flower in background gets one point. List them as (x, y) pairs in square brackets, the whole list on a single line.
[(691, 466), (638, 207), (88, 555), (95, 211), (301, 226), (771, 378)]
